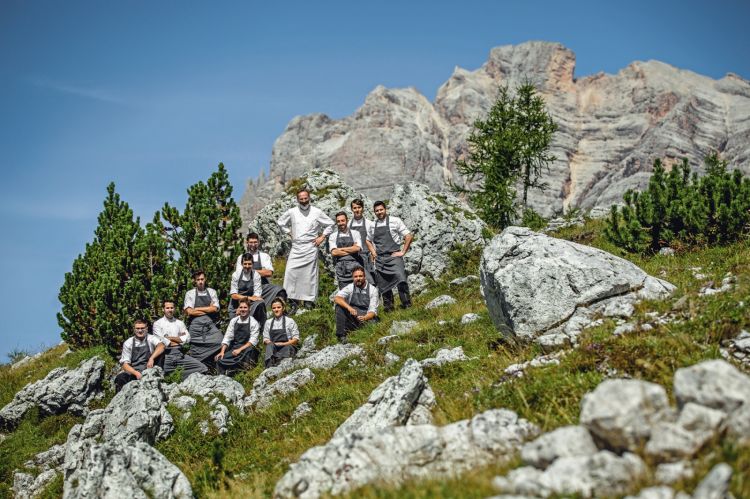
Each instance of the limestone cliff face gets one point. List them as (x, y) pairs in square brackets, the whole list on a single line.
[(611, 128)]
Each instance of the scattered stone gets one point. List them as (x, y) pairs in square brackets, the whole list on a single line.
[(726, 284), (203, 427), (220, 417), (26, 486), (402, 327), (183, 403), (469, 318), (681, 304), (603, 474), (621, 412), (536, 285), (440, 301), (387, 339), (682, 439), (417, 452), (301, 410), (667, 251), (669, 473), (568, 441), (713, 383), (391, 358), (21, 362), (261, 398), (119, 469), (61, 390), (52, 458), (442, 322), (308, 346), (660, 492), (715, 485), (445, 356), (624, 329), (562, 223), (417, 284), (208, 387), (462, 281), (390, 404), (517, 370)]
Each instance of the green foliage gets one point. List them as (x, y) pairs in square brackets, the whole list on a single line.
[(113, 281), (509, 146), (206, 235), (533, 220), (681, 208)]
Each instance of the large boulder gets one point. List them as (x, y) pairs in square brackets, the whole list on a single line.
[(61, 390), (397, 454), (541, 288)]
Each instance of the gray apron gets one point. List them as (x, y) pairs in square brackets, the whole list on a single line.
[(139, 355), (360, 299), (389, 269), (274, 354), (365, 250), (247, 358), (205, 337), (245, 288), (345, 264), (175, 358), (270, 291)]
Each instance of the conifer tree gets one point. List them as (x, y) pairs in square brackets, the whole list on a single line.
[(113, 281), (206, 235)]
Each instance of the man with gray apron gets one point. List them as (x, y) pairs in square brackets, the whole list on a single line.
[(281, 336), (356, 304), (238, 350), (360, 224), (175, 332), (387, 234), (247, 283), (345, 246), (263, 265), (139, 352), (202, 308)]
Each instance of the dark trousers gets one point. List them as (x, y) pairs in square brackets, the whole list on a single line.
[(123, 379), (345, 322), (403, 294)]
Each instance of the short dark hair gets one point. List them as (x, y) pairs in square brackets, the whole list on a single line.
[(303, 189), (197, 273), (341, 213), (358, 268), (252, 235), (279, 299), (168, 300), (358, 202), (247, 257), (244, 300), (378, 203), (140, 321)]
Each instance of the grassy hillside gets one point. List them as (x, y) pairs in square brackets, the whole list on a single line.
[(256, 452)]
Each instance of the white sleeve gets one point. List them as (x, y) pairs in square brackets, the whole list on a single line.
[(346, 292), (214, 298), (155, 340), (257, 284), (368, 229), (238, 265), (265, 261), (158, 329), (229, 334), (189, 299), (254, 331), (292, 330), (183, 332), (127, 351), (357, 238), (373, 300), (267, 330), (325, 222), (332, 240), (284, 221), (235, 282), (401, 228)]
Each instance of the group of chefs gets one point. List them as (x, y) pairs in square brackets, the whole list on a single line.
[(368, 257)]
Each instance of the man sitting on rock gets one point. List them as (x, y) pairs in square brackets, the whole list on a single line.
[(356, 304), (263, 265), (174, 331), (139, 352), (387, 233)]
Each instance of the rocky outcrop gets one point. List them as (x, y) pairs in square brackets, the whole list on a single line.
[(61, 390), (263, 397), (548, 290), (398, 454), (610, 129)]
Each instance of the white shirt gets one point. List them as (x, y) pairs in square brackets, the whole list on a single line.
[(240, 274), (347, 291), (292, 331), (171, 327), (355, 236), (396, 226), (190, 297), (354, 223), (305, 228), (254, 330), (265, 261), (127, 346)]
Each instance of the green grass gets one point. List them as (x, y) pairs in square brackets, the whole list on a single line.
[(256, 452)]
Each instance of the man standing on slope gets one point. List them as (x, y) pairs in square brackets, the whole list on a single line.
[(304, 224), (174, 331), (387, 233), (360, 224), (263, 266), (345, 245), (202, 307)]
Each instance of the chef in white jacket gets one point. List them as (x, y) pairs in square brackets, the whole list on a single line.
[(308, 227)]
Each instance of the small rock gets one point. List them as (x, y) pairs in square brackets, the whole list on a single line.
[(624, 329), (391, 358), (461, 281), (567, 441), (183, 402), (445, 356), (417, 284), (402, 327), (387, 339), (715, 485), (308, 346), (440, 301), (713, 383), (203, 427), (301, 410), (667, 251), (661, 492), (669, 473), (695, 426), (681, 304), (262, 398), (469, 318)]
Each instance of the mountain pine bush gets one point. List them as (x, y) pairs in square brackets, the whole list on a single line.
[(681, 208)]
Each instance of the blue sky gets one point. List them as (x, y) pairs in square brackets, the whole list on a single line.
[(153, 95)]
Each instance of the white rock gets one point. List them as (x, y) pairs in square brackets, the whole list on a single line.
[(715, 485), (391, 358), (327, 358), (26, 486), (301, 410), (660, 492), (567, 441), (695, 426), (208, 387), (263, 397), (669, 473), (402, 327), (622, 412), (469, 318), (445, 356), (440, 301), (713, 383), (183, 402), (387, 339), (417, 284), (463, 281)]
